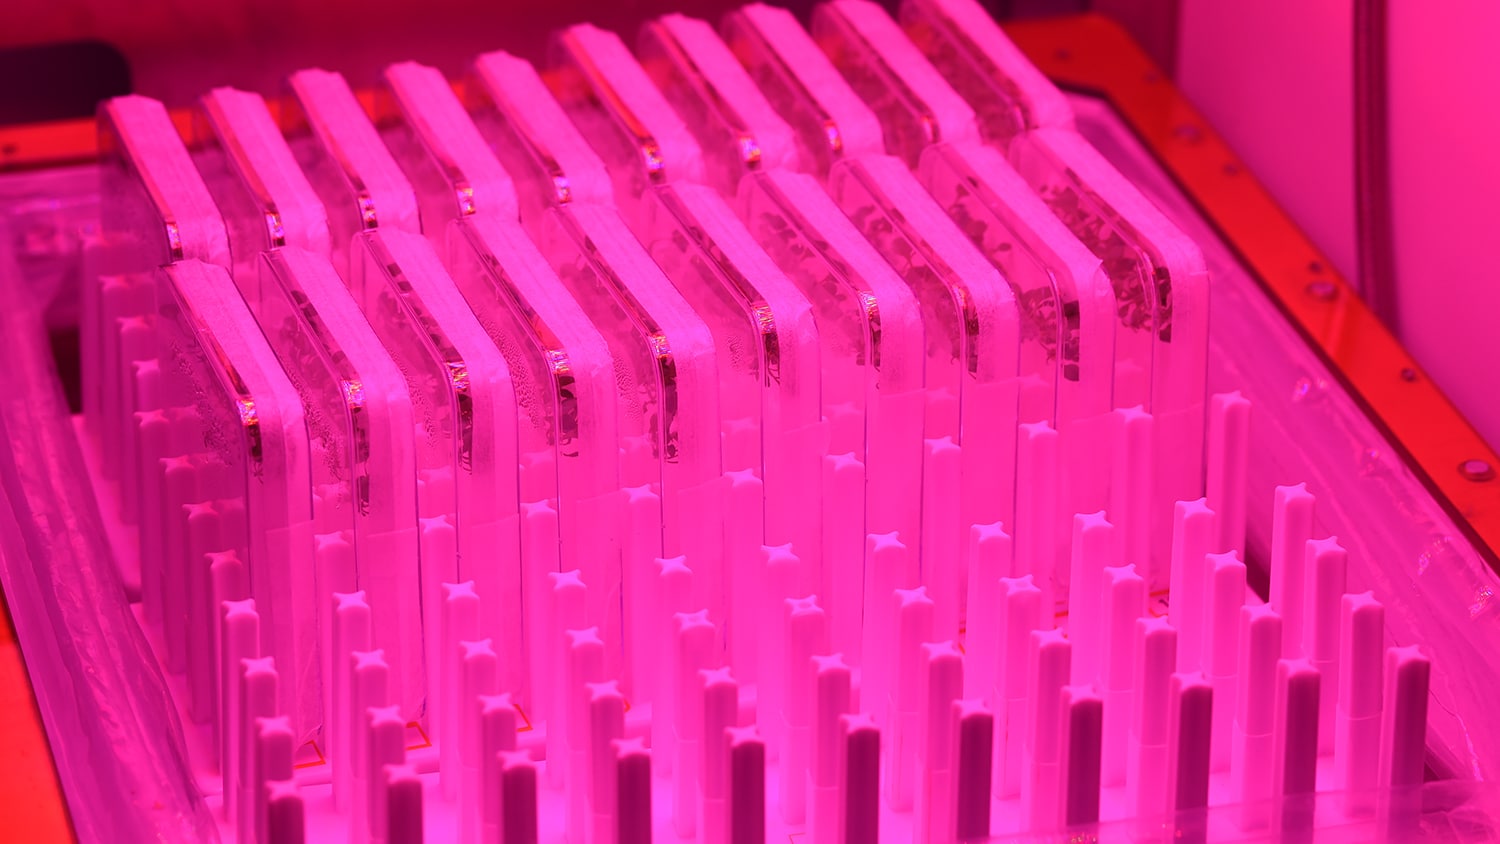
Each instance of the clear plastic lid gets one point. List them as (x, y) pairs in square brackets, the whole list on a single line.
[(1008, 94), (870, 327), (1102, 231), (266, 199), (249, 440), (351, 170), (359, 423), (767, 345), (736, 126), (453, 170), (465, 418), (666, 373), (1066, 302), (565, 394), (560, 365), (534, 139), (1067, 317), (971, 317), (611, 99), (804, 88), (154, 210), (914, 104), (1161, 289)]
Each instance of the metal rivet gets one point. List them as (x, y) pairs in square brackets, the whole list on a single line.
[(1477, 470), (1408, 374), (1323, 291)]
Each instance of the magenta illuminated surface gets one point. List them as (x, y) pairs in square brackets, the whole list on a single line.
[(600, 610)]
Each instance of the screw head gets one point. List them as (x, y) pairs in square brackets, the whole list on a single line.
[(1477, 470), (1323, 291)]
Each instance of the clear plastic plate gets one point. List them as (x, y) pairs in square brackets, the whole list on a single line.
[(612, 101), (464, 412), (1161, 294), (266, 200), (767, 344), (1008, 94), (665, 369), (561, 367), (736, 126), (538, 145), (871, 330), (1067, 314), (243, 440), (804, 88), (350, 169), (364, 477), (442, 153), (154, 210), (915, 106), (569, 441), (972, 320)]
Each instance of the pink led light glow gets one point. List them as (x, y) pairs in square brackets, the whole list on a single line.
[(724, 445)]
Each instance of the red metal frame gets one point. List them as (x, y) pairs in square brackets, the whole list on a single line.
[(29, 790)]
